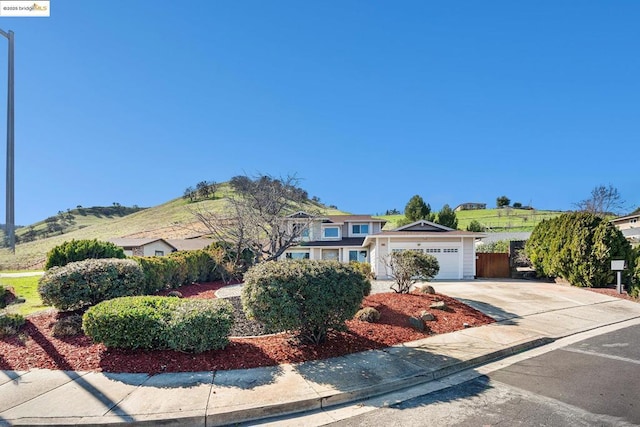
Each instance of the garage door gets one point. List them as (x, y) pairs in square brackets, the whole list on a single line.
[(449, 260)]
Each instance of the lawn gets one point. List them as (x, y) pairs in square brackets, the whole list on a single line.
[(27, 288)]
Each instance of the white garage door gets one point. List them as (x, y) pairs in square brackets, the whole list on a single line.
[(449, 260)]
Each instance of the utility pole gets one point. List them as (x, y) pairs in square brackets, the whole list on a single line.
[(10, 226)]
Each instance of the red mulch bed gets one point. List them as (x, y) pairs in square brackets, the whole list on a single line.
[(613, 292), (35, 346)]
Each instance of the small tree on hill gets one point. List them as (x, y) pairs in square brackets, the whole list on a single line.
[(409, 267), (502, 201), (475, 226), (447, 217)]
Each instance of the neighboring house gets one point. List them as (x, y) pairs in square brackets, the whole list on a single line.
[(470, 206), (629, 225), (361, 238), (144, 247)]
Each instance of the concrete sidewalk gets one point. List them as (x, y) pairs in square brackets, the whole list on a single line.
[(530, 314)]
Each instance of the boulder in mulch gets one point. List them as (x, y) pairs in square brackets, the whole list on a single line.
[(440, 305), (425, 289), (426, 316), (416, 323)]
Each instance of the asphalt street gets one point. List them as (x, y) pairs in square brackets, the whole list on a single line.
[(588, 383)]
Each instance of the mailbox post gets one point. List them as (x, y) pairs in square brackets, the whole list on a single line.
[(618, 266)]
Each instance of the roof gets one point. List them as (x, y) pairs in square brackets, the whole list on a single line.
[(507, 235), (128, 242), (350, 241), (189, 244), (425, 234), (626, 217), (423, 225), (353, 218)]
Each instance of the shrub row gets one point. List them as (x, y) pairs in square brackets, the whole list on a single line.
[(181, 268), (307, 296), (79, 250), (150, 322), (85, 283)]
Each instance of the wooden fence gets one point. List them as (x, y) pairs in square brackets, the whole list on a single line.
[(492, 265)]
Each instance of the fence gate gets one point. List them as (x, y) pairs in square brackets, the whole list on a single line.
[(492, 265)]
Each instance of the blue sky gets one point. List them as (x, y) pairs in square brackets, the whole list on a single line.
[(367, 102)]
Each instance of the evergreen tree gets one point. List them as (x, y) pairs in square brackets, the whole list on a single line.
[(447, 217), (416, 209)]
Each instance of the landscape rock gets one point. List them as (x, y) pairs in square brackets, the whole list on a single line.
[(440, 305), (426, 289), (426, 316), (416, 323)]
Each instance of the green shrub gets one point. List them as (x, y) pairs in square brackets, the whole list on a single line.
[(10, 324), (79, 250), (409, 267), (199, 325), (85, 283), (578, 247), (310, 297), (364, 268), (3, 296), (634, 289), (151, 322), (159, 273)]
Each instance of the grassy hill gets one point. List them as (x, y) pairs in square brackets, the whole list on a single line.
[(174, 219), (494, 220)]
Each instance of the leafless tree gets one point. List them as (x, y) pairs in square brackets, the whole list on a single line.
[(603, 201), (254, 216)]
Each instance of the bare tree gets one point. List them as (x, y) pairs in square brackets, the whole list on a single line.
[(603, 201), (409, 267), (255, 216)]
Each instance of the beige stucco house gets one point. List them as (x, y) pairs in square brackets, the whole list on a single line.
[(629, 225), (144, 247), (361, 238)]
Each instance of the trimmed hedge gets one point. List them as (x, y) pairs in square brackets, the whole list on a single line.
[(180, 268), (85, 283), (307, 296), (150, 322), (578, 247), (79, 250)]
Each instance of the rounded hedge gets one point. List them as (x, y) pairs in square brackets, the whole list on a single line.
[(307, 296), (85, 283), (151, 322), (79, 250)]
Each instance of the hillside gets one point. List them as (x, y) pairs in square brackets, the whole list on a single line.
[(174, 219), (494, 220)]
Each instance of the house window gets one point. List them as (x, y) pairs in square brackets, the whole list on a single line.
[(297, 255), (159, 253), (432, 251), (360, 256), (450, 251), (301, 230), (331, 232), (633, 221), (360, 229), (330, 254)]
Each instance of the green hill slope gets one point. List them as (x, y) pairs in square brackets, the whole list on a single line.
[(493, 220), (174, 219)]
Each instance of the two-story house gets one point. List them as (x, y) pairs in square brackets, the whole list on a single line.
[(361, 238)]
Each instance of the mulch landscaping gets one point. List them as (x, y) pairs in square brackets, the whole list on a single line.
[(36, 347)]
